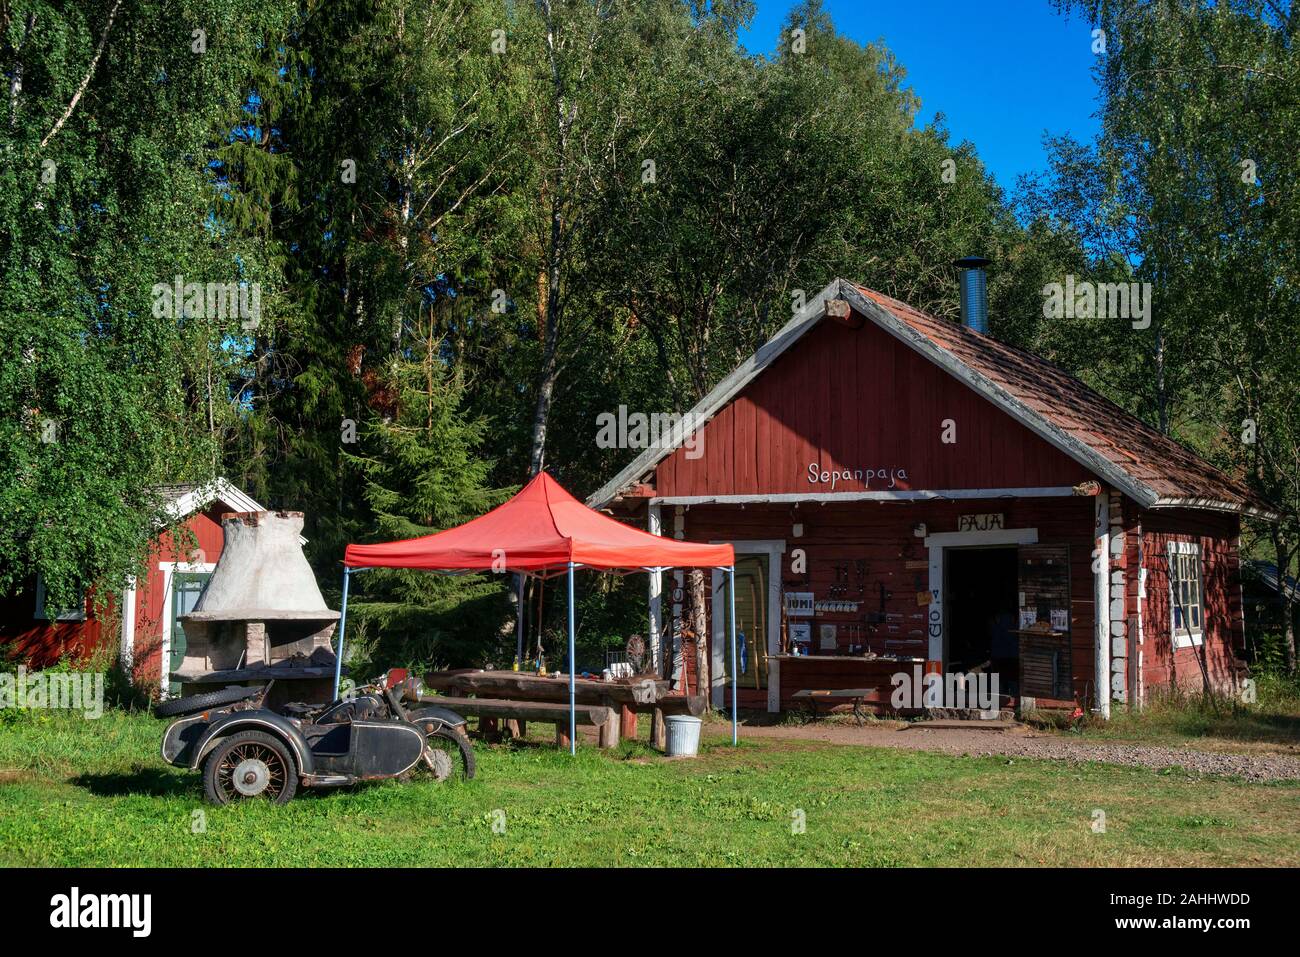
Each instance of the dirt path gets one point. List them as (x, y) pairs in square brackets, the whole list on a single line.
[(1024, 742)]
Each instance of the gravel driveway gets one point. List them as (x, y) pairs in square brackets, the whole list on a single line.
[(1022, 742)]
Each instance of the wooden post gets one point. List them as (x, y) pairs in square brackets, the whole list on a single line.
[(609, 730), (698, 625), (628, 723), (658, 730)]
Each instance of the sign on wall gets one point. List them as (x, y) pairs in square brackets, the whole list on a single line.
[(983, 522), (799, 604)]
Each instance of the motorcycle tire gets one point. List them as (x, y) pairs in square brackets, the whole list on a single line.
[(454, 743), (271, 770), (175, 707)]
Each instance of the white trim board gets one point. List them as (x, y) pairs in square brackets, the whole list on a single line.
[(904, 495), (935, 625), (995, 536), (1188, 638), (1100, 603), (169, 570), (126, 647)]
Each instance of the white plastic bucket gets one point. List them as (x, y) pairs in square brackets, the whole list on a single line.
[(683, 735)]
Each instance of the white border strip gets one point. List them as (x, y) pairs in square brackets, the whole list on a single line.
[(1059, 491)]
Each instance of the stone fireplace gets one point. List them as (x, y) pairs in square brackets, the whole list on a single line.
[(261, 616)]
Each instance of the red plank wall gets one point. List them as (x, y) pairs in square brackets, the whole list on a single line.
[(1217, 534), (200, 541), (859, 399), (881, 534), (40, 644)]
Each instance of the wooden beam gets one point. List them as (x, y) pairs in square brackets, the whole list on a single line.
[(529, 687), (522, 710)]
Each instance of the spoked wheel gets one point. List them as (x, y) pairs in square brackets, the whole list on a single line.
[(250, 764), (447, 752)]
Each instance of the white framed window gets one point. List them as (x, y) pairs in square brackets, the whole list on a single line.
[(75, 613), (1186, 594)]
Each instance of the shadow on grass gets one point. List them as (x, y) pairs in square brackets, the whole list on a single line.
[(155, 782)]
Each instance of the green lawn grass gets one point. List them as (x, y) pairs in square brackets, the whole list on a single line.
[(95, 793), (1270, 724)]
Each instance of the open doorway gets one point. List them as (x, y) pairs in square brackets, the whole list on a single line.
[(980, 613)]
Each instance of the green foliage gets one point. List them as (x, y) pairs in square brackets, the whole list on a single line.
[(1192, 187), (105, 191), (421, 472)]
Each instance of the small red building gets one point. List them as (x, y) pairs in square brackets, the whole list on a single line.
[(908, 494), (142, 622)]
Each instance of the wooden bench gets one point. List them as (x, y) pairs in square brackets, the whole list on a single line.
[(837, 696), (602, 717), (642, 695)]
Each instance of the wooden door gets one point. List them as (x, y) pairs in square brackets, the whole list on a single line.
[(186, 589), (1044, 625)]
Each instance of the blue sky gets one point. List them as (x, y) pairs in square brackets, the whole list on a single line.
[(1001, 73)]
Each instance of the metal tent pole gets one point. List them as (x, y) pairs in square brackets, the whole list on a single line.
[(519, 621), (731, 602), (573, 693), (343, 623)]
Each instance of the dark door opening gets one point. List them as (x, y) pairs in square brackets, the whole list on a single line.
[(980, 614)]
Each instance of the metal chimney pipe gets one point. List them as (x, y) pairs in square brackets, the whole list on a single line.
[(974, 293)]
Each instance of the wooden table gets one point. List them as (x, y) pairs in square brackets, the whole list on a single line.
[(624, 698), (835, 697)]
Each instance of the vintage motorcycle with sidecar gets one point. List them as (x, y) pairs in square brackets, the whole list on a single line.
[(247, 750)]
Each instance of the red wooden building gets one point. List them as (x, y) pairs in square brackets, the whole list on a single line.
[(141, 625), (908, 493)]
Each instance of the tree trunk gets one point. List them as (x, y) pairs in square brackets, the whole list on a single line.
[(548, 375), (1281, 548), (698, 625), (16, 80), (1162, 395)]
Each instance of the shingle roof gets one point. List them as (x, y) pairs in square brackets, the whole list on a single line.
[(1175, 474), (1150, 467)]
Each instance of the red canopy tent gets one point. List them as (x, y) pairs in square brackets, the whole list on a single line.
[(544, 531)]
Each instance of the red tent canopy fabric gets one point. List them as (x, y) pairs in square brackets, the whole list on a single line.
[(543, 528)]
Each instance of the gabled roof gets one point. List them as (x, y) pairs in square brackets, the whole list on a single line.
[(184, 500), (1151, 468)]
